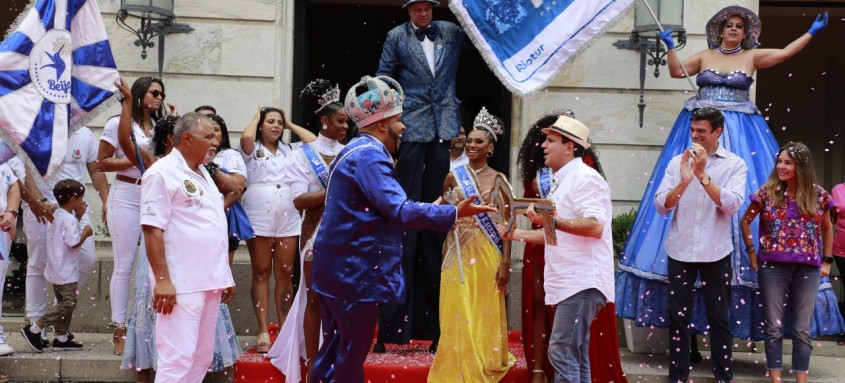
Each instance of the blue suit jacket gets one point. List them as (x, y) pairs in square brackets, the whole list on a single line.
[(358, 246), (431, 107)]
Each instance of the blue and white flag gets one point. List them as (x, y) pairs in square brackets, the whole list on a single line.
[(56, 73), (527, 42)]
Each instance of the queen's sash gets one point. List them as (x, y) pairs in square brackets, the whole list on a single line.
[(465, 181), (317, 164), (544, 181)]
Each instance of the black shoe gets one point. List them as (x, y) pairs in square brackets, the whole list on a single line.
[(69, 335), (379, 348), (33, 340), (44, 341), (66, 346), (433, 348)]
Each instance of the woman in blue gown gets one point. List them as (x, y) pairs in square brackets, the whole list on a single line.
[(724, 78)]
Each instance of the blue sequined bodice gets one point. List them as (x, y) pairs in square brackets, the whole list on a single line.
[(731, 86), (725, 91), (735, 79)]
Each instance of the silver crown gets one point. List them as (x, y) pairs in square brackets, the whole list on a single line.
[(377, 103), (331, 95), (488, 122)]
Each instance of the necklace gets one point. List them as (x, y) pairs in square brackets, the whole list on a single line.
[(731, 51), (479, 170)]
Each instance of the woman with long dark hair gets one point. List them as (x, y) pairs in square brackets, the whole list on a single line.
[(796, 244), (124, 203)]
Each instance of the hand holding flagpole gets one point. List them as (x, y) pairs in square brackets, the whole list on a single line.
[(684, 69)]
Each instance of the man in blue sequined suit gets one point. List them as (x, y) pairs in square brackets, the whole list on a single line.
[(358, 245), (423, 56)]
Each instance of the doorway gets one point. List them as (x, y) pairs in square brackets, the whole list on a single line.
[(341, 40), (802, 96)]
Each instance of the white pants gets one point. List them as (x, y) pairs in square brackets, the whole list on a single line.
[(36, 249), (185, 338), (4, 266), (124, 221)]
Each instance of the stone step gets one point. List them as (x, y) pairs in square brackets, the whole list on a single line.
[(98, 363)]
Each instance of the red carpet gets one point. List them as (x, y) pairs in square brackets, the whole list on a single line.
[(406, 364)]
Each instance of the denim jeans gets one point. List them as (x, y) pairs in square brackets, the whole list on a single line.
[(793, 286), (569, 344)]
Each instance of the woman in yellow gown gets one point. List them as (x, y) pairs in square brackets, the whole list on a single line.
[(474, 275)]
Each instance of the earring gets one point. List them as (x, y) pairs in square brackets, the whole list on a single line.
[(490, 154), (325, 127)]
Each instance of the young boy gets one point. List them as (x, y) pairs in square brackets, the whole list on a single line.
[(64, 239)]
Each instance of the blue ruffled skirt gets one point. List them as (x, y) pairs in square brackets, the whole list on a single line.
[(641, 282), (140, 352)]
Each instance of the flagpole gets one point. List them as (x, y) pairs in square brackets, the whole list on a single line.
[(684, 69)]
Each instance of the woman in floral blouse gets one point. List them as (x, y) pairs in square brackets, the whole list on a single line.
[(796, 237)]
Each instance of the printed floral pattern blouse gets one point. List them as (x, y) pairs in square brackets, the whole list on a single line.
[(786, 235)]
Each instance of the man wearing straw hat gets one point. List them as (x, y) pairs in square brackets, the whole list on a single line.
[(579, 269)]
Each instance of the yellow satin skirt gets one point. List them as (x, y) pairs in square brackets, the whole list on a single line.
[(473, 324)]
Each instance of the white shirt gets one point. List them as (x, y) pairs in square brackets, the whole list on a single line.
[(110, 136), (81, 150), (264, 167), (579, 263), (62, 259), (232, 161), (299, 175), (189, 208), (461, 160), (700, 231), (428, 49)]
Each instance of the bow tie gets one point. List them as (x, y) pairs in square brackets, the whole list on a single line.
[(421, 33)]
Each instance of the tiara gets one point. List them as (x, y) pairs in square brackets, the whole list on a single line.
[(488, 122), (560, 112), (377, 103), (331, 95)]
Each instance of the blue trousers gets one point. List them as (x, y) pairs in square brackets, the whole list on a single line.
[(348, 329)]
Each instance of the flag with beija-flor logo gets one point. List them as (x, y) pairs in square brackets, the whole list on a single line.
[(57, 72), (527, 42)]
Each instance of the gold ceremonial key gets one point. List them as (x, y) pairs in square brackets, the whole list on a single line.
[(509, 207)]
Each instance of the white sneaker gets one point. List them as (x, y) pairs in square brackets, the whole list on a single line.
[(5, 349)]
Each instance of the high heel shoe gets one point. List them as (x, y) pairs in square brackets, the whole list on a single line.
[(118, 338), (262, 343)]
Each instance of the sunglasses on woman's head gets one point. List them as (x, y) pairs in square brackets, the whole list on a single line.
[(156, 93)]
